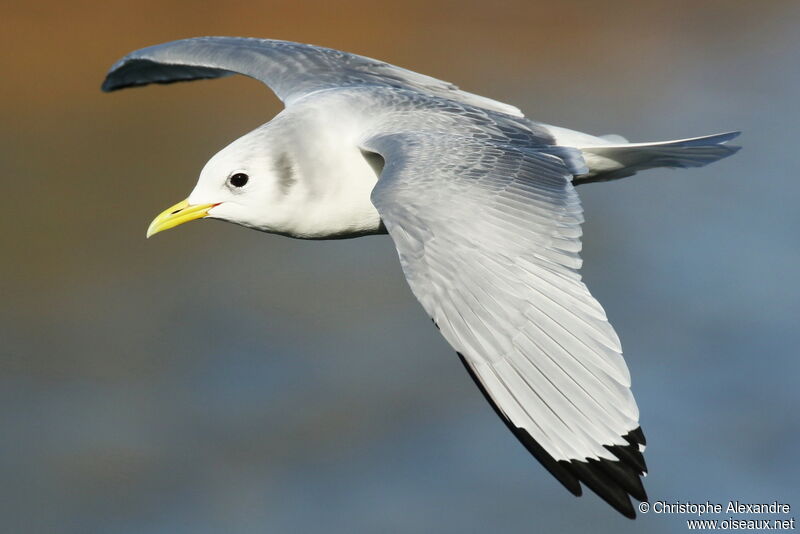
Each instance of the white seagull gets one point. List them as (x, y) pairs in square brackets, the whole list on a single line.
[(481, 204)]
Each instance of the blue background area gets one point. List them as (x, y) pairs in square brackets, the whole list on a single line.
[(215, 379)]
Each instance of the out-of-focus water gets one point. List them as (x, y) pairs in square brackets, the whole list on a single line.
[(214, 379)]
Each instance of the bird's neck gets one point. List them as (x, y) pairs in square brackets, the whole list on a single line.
[(331, 199)]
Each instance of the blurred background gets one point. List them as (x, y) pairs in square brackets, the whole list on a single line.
[(214, 379)]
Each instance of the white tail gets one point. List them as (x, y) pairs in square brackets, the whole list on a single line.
[(618, 160)]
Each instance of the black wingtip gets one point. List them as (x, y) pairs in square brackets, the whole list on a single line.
[(133, 71), (596, 479), (636, 437), (614, 481), (107, 86)]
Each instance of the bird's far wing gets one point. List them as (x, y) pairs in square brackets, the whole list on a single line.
[(290, 69), (488, 237)]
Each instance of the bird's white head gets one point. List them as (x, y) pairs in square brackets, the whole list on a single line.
[(296, 175), (246, 183)]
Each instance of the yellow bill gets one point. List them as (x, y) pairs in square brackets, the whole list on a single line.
[(178, 214)]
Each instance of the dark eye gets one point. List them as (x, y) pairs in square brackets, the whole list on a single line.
[(238, 180)]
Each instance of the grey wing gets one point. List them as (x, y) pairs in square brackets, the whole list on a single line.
[(488, 237), (291, 70)]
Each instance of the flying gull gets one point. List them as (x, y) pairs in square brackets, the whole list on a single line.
[(481, 204)]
